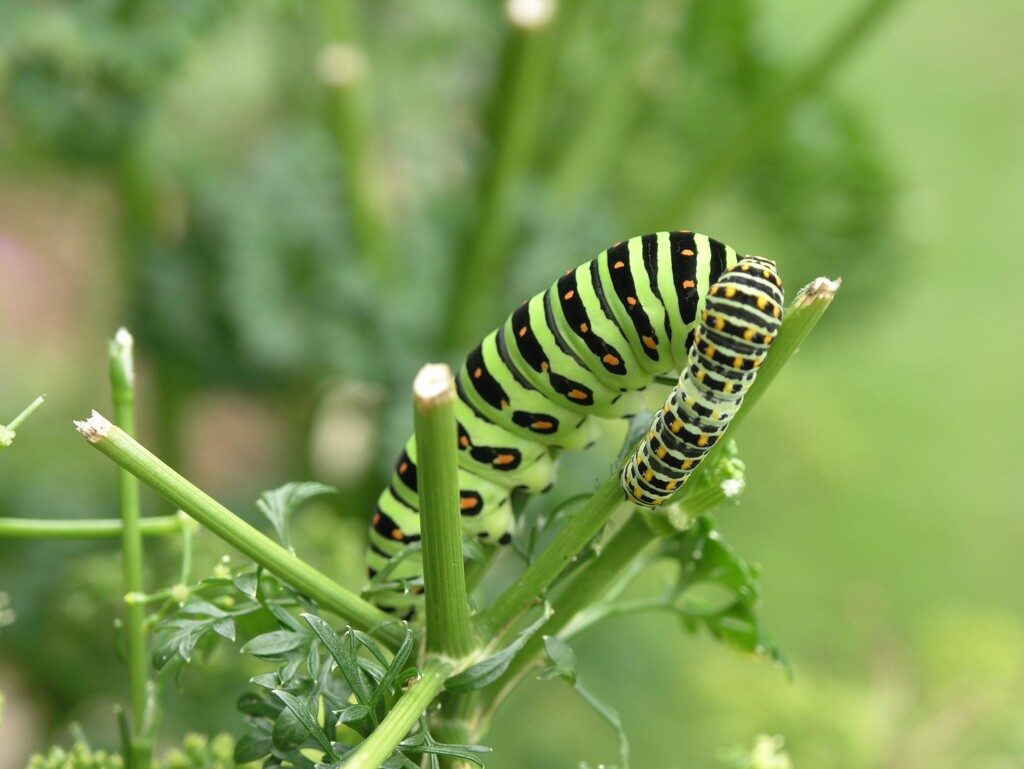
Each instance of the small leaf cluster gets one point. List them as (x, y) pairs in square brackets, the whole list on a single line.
[(717, 590)]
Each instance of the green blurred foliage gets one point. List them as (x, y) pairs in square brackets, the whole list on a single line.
[(232, 177)]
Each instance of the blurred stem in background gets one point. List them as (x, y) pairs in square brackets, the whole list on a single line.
[(344, 67), (516, 113)]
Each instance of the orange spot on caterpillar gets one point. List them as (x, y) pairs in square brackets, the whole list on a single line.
[(618, 265), (577, 395), (730, 292), (650, 343), (478, 373), (542, 424), (768, 338), (762, 302), (689, 283), (569, 295), (749, 334), (468, 503), (703, 440), (737, 362), (631, 301), (376, 518), (397, 535), (504, 459), (584, 327), (720, 323), (523, 330), (504, 403), (687, 252), (464, 441), (543, 365), (611, 360), (402, 468)]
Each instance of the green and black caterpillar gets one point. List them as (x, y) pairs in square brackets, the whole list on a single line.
[(584, 348)]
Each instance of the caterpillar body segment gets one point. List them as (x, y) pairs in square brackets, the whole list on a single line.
[(740, 320)]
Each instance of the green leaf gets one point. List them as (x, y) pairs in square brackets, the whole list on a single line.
[(344, 657), (271, 646), (281, 503), (563, 658), (307, 719), (253, 704), (490, 669), (247, 583), (252, 747)]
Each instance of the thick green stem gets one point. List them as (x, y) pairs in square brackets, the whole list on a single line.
[(734, 150), (447, 611), (132, 456), (95, 528), (376, 748), (122, 382), (581, 529)]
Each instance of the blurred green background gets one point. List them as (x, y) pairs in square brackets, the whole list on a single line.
[(294, 205)]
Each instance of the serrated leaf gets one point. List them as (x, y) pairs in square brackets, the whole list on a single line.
[(394, 670), (225, 628), (253, 704), (490, 669), (272, 645), (307, 721), (251, 747), (350, 670), (563, 659), (266, 680), (247, 583), (202, 608), (279, 504)]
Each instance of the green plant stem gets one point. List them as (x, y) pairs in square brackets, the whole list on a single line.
[(350, 122), (129, 454), (718, 166), (447, 610), (584, 588), (122, 382), (515, 119), (376, 748), (95, 528), (8, 432), (580, 530)]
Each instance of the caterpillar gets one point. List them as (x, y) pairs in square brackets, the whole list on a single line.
[(583, 349)]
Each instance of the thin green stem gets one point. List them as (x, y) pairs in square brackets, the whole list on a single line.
[(376, 748), (581, 529), (447, 610), (129, 454), (584, 588), (734, 150), (344, 69), (95, 528), (8, 432), (122, 382)]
